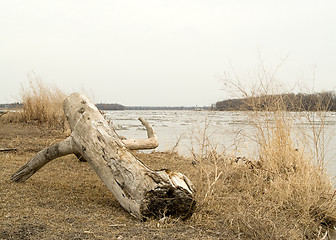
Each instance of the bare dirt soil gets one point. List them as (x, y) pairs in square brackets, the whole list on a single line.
[(67, 200)]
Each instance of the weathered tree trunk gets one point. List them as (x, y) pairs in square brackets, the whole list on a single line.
[(140, 190)]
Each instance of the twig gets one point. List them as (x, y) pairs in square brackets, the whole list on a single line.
[(8, 149), (3, 113), (325, 235), (332, 197), (117, 225)]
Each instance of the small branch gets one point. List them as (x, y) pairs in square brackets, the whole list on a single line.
[(3, 113), (150, 143), (80, 157), (150, 130), (8, 149)]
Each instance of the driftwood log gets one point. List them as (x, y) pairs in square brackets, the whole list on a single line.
[(141, 191)]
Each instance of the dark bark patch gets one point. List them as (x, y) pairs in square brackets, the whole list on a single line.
[(168, 201)]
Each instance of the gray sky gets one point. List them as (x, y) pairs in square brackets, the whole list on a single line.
[(163, 52)]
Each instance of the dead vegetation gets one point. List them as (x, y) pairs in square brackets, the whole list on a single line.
[(42, 104), (74, 203), (281, 192)]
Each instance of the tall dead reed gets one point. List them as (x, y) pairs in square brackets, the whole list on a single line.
[(42, 103), (283, 191)]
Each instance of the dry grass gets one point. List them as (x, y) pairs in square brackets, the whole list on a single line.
[(67, 200), (42, 103), (280, 195), (282, 192)]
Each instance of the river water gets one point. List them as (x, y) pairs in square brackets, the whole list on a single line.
[(233, 132)]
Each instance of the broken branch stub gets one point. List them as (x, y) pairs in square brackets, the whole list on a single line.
[(141, 191), (150, 143)]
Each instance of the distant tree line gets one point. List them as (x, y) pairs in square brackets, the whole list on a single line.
[(290, 102), (110, 106), (11, 105), (165, 108), (115, 106)]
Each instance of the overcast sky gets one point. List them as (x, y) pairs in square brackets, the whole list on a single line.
[(163, 52)]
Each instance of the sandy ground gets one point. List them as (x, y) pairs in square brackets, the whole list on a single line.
[(67, 200)]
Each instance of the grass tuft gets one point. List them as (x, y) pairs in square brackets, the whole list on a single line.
[(42, 103)]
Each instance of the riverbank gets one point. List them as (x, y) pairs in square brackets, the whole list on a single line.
[(237, 198)]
